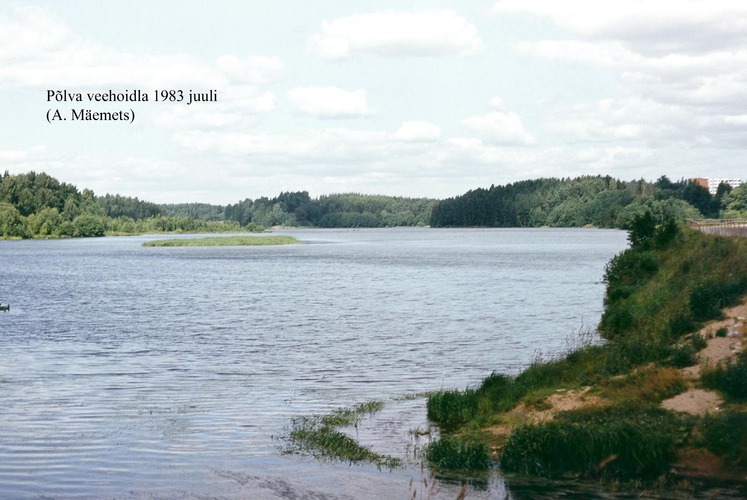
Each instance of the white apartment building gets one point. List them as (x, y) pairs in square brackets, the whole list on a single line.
[(714, 183)]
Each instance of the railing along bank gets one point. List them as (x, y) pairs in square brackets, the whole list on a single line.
[(721, 227)]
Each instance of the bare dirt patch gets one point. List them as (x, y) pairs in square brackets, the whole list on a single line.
[(720, 349), (562, 400), (695, 402)]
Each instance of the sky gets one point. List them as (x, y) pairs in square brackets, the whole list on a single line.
[(406, 98)]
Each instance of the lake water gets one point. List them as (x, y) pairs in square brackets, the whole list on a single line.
[(174, 372)]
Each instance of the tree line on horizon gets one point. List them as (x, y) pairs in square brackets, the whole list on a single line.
[(599, 201), (38, 205)]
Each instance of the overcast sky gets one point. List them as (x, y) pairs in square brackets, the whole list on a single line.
[(410, 98)]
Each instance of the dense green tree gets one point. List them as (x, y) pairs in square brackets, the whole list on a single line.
[(11, 222), (86, 225), (122, 206), (735, 203), (699, 197), (47, 222), (31, 192)]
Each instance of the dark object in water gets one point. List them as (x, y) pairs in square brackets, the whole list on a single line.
[(5, 308)]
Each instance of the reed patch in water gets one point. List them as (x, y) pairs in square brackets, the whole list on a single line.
[(224, 241), (320, 436), (450, 452)]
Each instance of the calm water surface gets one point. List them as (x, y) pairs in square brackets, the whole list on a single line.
[(174, 372)]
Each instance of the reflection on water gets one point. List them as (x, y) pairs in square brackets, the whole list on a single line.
[(174, 372)]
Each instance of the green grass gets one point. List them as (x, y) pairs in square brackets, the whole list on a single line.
[(666, 292), (320, 436), (449, 452), (625, 444), (453, 408), (223, 241)]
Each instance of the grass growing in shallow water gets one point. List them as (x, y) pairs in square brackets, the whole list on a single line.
[(224, 241), (449, 452), (320, 436)]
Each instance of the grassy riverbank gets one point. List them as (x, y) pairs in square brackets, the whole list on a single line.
[(664, 394), (224, 241)]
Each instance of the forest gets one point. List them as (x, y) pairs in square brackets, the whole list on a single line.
[(586, 201), (36, 205)]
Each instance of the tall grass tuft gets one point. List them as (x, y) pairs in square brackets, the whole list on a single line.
[(452, 408), (449, 452), (623, 444)]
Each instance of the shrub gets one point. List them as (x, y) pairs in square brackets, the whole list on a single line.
[(729, 378), (680, 324), (698, 342), (707, 299), (682, 356), (631, 266), (720, 435)]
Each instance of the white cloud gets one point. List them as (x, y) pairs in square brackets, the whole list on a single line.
[(661, 26), (252, 69), (417, 131), (326, 145), (680, 65), (29, 32), (499, 126), (420, 33), (329, 102), (236, 107), (37, 50), (13, 155)]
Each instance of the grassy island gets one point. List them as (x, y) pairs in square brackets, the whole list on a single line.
[(663, 396), (224, 241)]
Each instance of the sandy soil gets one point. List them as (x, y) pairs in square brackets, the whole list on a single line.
[(562, 400), (697, 401)]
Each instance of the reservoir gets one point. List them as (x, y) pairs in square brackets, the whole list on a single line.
[(132, 372)]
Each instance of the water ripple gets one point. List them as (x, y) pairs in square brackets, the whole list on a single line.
[(139, 370)]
